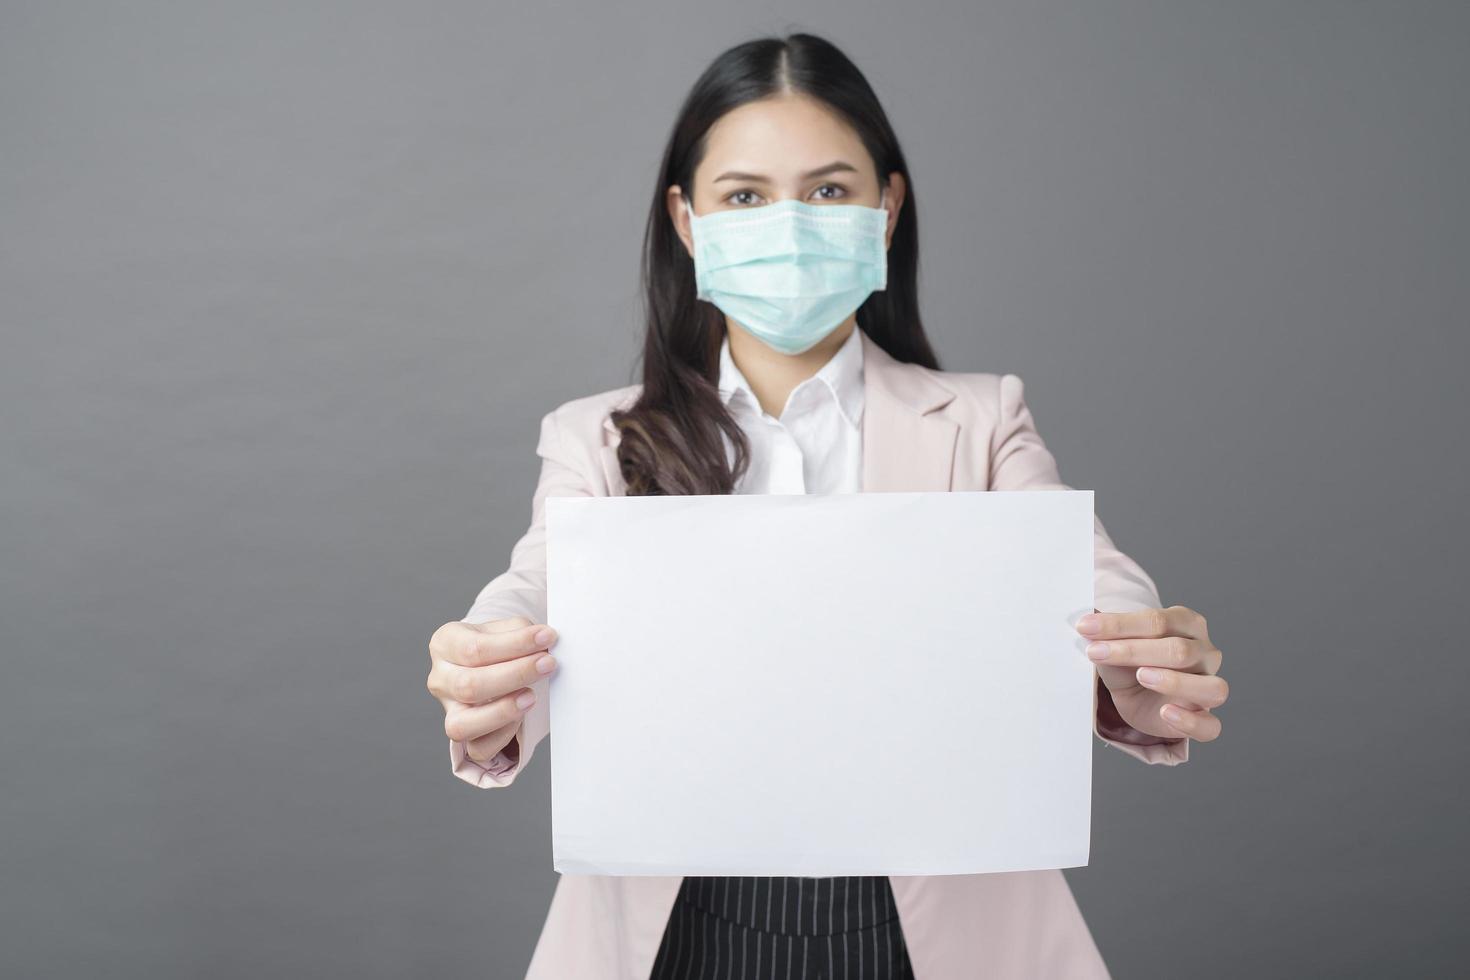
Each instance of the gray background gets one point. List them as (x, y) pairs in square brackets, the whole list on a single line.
[(286, 288)]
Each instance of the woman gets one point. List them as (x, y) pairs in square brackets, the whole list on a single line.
[(785, 354)]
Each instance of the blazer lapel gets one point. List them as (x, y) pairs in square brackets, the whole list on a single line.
[(612, 470), (907, 445)]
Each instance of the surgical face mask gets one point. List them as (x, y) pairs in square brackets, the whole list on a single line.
[(790, 272)]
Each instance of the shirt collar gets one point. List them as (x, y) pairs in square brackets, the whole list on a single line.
[(842, 374)]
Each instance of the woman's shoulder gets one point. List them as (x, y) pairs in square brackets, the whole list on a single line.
[(988, 398), (973, 390), (586, 415), (983, 392)]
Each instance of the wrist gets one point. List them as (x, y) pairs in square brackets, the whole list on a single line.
[(1112, 726)]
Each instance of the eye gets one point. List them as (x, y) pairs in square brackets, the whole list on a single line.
[(842, 191), (730, 198)]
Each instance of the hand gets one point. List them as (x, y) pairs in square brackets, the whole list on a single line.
[(481, 673), (1161, 669)]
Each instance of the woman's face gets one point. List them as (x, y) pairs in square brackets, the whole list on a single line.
[(783, 147)]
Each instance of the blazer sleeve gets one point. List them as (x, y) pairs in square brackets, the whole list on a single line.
[(521, 591), (1021, 461)]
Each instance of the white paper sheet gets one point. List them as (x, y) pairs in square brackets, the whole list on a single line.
[(821, 685)]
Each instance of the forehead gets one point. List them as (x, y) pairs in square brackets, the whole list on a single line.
[(780, 137)]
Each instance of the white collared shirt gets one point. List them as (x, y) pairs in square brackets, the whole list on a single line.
[(816, 444)]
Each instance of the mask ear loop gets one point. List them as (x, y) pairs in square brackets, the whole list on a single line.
[(689, 207)]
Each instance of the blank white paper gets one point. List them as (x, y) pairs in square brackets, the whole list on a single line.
[(820, 685)]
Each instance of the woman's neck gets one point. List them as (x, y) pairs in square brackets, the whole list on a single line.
[(773, 375)]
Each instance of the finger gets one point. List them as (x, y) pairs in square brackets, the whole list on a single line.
[(477, 685), (1193, 690), (1144, 623), (486, 747), (464, 723), (1199, 725), (479, 644), (1173, 652)]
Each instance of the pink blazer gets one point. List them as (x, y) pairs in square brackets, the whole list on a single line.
[(922, 430)]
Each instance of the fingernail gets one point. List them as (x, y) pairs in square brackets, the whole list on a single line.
[(1090, 623), (1097, 651), (1148, 675), (545, 664), (544, 636), (525, 700), (1172, 713)]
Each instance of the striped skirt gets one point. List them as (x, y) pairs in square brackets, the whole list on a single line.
[(743, 928)]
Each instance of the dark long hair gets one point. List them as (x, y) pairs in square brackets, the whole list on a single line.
[(670, 438)]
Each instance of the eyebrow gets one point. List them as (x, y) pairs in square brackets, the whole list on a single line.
[(840, 166)]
